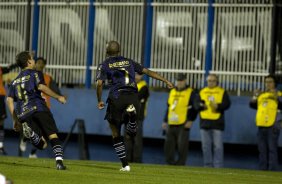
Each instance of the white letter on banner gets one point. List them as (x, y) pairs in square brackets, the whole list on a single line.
[(10, 38), (72, 40)]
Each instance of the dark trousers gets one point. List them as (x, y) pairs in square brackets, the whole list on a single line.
[(134, 145), (177, 141), (267, 146)]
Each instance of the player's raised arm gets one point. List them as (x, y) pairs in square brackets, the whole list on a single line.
[(157, 76)]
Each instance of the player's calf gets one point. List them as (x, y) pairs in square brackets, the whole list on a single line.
[(120, 151), (131, 127), (38, 141), (58, 151)]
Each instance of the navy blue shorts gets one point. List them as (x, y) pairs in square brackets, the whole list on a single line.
[(42, 123), (116, 110)]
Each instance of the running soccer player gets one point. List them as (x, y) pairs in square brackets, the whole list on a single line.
[(123, 102), (31, 111)]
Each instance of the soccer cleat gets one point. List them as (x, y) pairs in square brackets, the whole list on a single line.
[(32, 155), (26, 130), (125, 169), (60, 165), (130, 108), (2, 151), (22, 145)]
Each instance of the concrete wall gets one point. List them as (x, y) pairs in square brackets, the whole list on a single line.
[(240, 125)]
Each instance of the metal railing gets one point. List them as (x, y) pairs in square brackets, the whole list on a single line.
[(241, 44)]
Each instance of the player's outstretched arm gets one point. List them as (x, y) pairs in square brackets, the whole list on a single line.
[(51, 93), (99, 89), (157, 76)]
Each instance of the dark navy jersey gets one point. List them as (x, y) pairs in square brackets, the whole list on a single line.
[(120, 73), (24, 91)]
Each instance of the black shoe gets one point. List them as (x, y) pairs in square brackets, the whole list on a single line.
[(60, 165), (2, 151)]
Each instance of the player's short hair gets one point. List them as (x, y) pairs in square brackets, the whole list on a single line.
[(113, 48), (42, 59), (181, 77), (22, 58), (273, 77)]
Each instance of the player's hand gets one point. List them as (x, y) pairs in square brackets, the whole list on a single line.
[(101, 105), (214, 106), (169, 85), (256, 92), (164, 126), (62, 99), (17, 126), (188, 124)]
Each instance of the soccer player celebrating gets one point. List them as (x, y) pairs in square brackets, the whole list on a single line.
[(31, 111), (123, 102)]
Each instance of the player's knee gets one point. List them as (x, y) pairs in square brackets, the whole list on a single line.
[(53, 136), (115, 134), (42, 144)]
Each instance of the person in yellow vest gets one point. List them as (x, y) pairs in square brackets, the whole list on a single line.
[(3, 113), (134, 145), (178, 119), (211, 103), (268, 121), (40, 64)]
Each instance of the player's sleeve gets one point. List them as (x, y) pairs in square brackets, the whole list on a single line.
[(101, 73), (138, 67), (38, 78)]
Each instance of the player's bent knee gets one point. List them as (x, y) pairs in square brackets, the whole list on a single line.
[(42, 144), (53, 136)]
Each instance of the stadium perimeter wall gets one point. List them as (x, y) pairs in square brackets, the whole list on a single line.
[(240, 125)]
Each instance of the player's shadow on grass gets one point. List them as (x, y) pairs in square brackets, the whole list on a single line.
[(94, 165), (22, 164)]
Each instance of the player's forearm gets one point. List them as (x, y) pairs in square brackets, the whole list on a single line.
[(99, 92), (48, 91), (11, 107)]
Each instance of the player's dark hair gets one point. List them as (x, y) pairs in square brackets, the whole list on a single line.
[(22, 58), (113, 48), (42, 59)]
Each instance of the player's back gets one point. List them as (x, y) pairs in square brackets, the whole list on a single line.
[(24, 90), (120, 73)]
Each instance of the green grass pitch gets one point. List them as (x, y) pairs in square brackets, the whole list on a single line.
[(37, 171)]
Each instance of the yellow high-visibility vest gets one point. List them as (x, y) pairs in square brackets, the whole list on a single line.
[(267, 109), (140, 85), (178, 106), (209, 95)]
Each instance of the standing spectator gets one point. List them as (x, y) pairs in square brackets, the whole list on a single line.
[(267, 104), (40, 65), (134, 146), (212, 102), (3, 113), (31, 112), (178, 119), (123, 102)]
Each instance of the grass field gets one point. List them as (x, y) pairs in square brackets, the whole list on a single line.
[(37, 171)]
